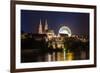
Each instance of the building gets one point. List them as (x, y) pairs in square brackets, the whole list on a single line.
[(47, 46), (55, 42)]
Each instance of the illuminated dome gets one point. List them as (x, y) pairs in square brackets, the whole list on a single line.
[(65, 30)]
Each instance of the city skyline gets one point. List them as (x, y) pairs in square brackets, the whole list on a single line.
[(77, 22)]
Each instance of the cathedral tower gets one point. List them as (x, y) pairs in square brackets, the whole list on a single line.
[(46, 26), (40, 30)]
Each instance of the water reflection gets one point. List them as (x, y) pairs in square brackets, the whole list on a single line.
[(64, 56), (57, 49)]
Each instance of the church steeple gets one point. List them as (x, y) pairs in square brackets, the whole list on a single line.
[(40, 30), (46, 25)]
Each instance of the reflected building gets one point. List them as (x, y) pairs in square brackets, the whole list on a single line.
[(61, 47), (56, 43)]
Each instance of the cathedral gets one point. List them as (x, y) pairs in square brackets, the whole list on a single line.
[(55, 41), (46, 46), (64, 30), (45, 30), (41, 29)]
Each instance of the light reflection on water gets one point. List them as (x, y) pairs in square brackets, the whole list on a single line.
[(61, 56)]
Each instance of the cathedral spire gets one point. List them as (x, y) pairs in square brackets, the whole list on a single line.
[(40, 28), (46, 25)]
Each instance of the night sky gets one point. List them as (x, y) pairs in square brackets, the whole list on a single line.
[(77, 22)]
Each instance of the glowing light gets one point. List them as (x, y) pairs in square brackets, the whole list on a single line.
[(65, 30)]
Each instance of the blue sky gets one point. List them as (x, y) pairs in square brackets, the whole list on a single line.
[(77, 22)]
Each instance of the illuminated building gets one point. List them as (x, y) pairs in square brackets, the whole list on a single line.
[(40, 29), (55, 41), (47, 46)]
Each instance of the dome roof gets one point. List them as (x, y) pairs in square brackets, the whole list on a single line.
[(65, 30)]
